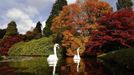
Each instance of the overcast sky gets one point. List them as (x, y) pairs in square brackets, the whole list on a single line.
[(26, 13)]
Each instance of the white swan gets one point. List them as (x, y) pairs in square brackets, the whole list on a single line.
[(77, 59), (77, 56), (53, 57)]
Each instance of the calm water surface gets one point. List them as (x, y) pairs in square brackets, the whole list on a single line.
[(66, 66)]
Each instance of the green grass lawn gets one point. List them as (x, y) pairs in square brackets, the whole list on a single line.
[(123, 57), (43, 46)]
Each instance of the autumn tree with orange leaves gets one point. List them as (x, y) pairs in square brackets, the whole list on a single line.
[(76, 21)]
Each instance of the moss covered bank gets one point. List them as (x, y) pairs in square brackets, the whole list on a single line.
[(123, 57)]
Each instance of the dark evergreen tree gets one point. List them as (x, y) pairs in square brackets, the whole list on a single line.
[(57, 7), (37, 30), (124, 4), (11, 29), (2, 33)]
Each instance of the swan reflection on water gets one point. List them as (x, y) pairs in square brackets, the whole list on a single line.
[(53, 64), (78, 64), (70, 67)]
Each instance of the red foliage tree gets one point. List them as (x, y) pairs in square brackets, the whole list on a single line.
[(6, 43), (116, 31)]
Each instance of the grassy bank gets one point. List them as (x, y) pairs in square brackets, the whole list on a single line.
[(123, 57), (43, 46)]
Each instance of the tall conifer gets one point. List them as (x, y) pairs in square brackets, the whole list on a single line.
[(124, 4), (57, 7), (37, 30)]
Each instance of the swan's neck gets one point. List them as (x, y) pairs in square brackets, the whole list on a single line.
[(55, 51), (78, 52)]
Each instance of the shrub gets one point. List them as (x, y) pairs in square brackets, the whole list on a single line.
[(43, 46), (7, 42)]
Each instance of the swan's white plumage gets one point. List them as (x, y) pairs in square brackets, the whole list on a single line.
[(77, 56), (53, 57)]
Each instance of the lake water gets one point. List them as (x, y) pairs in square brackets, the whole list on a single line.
[(39, 66)]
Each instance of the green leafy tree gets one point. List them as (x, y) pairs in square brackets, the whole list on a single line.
[(124, 4), (57, 7), (11, 29)]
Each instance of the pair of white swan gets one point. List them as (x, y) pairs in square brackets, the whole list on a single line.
[(52, 59)]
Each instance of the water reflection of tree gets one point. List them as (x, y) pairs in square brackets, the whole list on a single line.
[(94, 67), (34, 66), (6, 69), (70, 68), (87, 67)]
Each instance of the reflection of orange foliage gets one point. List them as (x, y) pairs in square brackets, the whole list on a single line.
[(94, 67), (63, 68), (71, 68), (69, 60), (86, 67)]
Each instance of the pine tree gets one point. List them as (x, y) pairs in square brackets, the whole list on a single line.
[(57, 7), (2, 33), (124, 4), (11, 29), (37, 30)]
